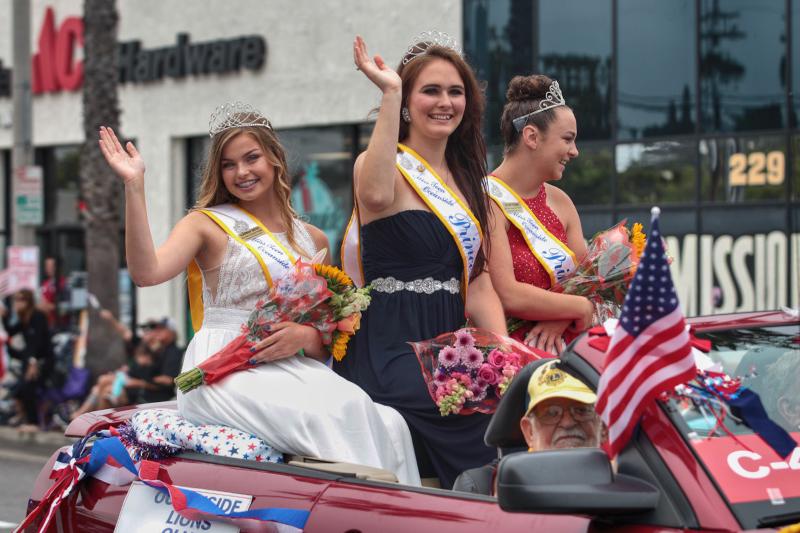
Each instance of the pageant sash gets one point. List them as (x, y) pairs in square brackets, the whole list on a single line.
[(273, 257), (555, 256), (445, 204), (440, 199), (351, 249)]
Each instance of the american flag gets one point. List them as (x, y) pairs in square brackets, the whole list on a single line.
[(650, 351)]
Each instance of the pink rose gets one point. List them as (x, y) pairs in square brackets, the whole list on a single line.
[(497, 358), (487, 374), (513, 359)]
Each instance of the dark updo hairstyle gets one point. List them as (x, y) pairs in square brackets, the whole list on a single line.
[(466, 150), (523, 96)]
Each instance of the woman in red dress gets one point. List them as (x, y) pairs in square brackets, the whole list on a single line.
[(536, 238)]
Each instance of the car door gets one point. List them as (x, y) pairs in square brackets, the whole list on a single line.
[(363, 506)]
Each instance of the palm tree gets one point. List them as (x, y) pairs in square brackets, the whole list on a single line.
[(100, 191)]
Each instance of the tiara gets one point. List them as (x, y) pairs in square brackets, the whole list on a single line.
[(235, 115), (425, 40), (552, 99)]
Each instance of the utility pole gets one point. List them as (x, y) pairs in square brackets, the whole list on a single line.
[(22, 154)]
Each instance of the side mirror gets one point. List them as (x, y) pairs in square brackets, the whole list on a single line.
[(570, 481)]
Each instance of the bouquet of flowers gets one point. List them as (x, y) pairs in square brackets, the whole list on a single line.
[(468, 371), (605, 273), (321, 296)]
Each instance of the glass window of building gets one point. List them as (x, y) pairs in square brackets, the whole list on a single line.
[(656, 173), (656, 68), (743, 169), (498, 43), (795, 65), (321, 169), (587, 178), (574, 47), (796, 172), (61, 169), (672, 222), (742, 64), (5, 203)]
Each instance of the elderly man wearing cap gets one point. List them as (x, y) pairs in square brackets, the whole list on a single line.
[(560, 411)]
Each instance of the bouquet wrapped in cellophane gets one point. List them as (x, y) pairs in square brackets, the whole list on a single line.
[(604, 274), (468, 370), (313, 294)]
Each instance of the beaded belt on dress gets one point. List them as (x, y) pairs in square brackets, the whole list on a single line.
[(427, 285), (223, 318)]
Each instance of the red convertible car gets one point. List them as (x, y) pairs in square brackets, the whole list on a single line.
[(680, 471)]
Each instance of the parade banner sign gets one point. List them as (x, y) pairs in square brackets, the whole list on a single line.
[(716, 274), (148, 509), (22, 271), (748, 470)]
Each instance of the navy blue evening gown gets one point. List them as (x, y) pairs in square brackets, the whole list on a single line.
[(407, 246)]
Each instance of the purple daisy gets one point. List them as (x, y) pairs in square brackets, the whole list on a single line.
[(472, 357), (464, 339), (448, 357)]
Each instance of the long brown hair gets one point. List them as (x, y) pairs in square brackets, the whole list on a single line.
[(466, 150), (213, 191), (26, 295)]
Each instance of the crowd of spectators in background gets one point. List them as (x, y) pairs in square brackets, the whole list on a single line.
[(42, 383)]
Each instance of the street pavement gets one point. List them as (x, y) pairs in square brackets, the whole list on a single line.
[(21, 460)]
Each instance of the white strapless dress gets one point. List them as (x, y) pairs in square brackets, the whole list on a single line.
[(298, 405)]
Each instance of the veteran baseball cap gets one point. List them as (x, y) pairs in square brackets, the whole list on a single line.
[(550, 381)]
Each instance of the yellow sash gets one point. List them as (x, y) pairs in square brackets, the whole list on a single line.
[(448, 207), (555, 256), (273, 258)]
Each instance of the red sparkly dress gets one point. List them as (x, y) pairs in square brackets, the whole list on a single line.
[(527, 268)]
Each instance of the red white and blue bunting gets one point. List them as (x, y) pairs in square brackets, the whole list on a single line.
[(108, 459)]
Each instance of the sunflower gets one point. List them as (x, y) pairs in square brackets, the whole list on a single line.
[(638, 239), (334, 276), (338, 347)]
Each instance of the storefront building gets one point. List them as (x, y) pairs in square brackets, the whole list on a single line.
[(178, 61), (689, 104), (692, 105)]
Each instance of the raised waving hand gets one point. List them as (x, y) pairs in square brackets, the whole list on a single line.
[(376, 70), (126, 162)]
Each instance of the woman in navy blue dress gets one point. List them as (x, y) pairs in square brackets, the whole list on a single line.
[(417, 204)]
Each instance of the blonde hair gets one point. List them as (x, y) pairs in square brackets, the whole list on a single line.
[(213, 191)]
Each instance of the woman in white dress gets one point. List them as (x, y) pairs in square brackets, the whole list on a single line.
[(242, 234)]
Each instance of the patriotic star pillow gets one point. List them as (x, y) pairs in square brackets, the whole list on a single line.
[(165, 427)]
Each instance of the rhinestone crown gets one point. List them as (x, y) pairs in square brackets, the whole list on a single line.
[(235, 115), (552, 99), (425, 40)]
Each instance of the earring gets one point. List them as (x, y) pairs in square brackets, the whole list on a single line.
[(405, 114)]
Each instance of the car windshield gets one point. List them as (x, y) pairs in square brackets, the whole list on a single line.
[(762, 488)]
